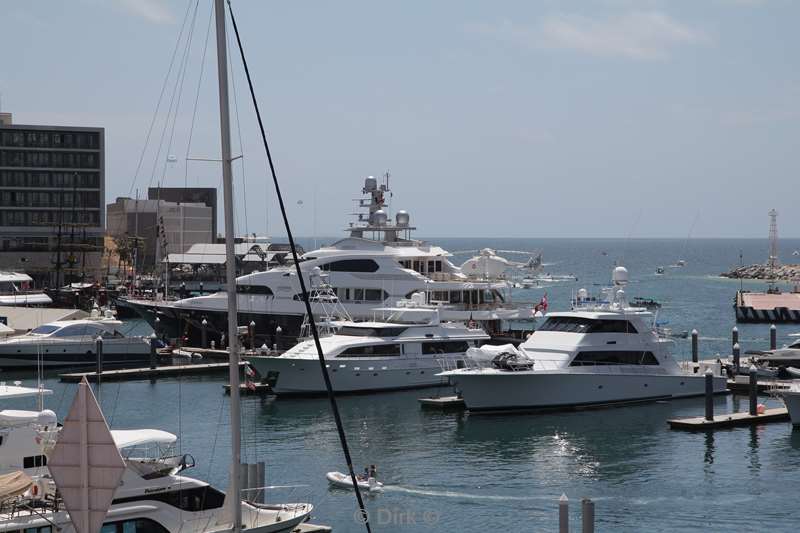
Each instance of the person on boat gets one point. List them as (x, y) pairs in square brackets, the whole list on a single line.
[(365, 475), (372, 472)]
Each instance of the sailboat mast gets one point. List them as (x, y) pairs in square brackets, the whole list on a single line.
[(230, 261)]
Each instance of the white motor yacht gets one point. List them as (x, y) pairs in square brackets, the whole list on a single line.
[(406, 350), (16, 289), (791, 398), (602, 352), (26, 436), (73, 342), (153, 497), (377, 265)]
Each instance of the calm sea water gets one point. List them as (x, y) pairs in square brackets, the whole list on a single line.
[(455, 472)]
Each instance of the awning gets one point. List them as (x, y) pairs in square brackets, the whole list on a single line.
[(14, 484), (125, 438)]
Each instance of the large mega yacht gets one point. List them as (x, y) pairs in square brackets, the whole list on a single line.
[(602, 352), (376, 265)]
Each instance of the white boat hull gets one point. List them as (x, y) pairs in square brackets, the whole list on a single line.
[(509, 391), (24, 300), (337, 479), (303, 376), (792, 401)]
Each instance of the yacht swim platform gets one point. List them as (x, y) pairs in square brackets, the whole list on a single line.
[(699, 423), (149, 373)]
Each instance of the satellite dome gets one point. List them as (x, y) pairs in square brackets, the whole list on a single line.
[(620, 276), (379, 217), (582, 294), (46, 418), (370, 184), (403, 218)]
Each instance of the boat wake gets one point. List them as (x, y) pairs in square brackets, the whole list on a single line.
[(461, 495)]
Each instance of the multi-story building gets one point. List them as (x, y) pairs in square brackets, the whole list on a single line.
[(189, 195), (52, 201), (161, 227)]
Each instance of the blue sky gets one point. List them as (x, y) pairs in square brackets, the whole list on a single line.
[(600, 118)]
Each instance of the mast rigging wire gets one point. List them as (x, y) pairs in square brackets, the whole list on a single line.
[(331, 397), (160, 98)]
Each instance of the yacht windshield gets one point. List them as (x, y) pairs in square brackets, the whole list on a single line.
[(411, 316), (44, 330), (357, 331), (574, 324)]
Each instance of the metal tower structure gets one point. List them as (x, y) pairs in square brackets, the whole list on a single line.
[(773, 262)]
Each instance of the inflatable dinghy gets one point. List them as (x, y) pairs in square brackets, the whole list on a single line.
[(344, 481)]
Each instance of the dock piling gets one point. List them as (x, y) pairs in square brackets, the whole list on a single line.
[(753, 390), (153, 353), (204, 333), (773, 337), (99, 350), (709, 394), (563, 514), (695, 357), (734, 336), (201, 288), (737, 352), (587, 512)]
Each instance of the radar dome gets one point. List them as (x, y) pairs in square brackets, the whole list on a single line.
[(583, 294), (379, 217), (620, 276), (403, 218), (46, 418), (370, 184)]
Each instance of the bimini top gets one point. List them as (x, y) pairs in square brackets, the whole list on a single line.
[(15, 276), (125, 438)]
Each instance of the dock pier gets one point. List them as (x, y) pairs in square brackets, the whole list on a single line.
[(133, 374)]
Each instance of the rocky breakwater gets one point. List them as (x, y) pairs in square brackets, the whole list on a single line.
[(782, 272)]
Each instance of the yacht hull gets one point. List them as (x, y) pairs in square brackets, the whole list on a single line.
[(174, 322), (514, 391), (792, 401), (292, 376), (50, 354)]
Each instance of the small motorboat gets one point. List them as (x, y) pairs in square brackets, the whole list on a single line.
[(659, 271), (337, 479)]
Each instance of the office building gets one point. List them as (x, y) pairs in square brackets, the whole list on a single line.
[(52, 188)]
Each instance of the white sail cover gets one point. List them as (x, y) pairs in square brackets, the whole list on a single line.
[(86, 464)]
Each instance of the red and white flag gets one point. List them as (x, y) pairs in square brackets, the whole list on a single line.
[(250, 385), (248, 371)]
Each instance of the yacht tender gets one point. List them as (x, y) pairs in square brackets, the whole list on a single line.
[(602, 352)]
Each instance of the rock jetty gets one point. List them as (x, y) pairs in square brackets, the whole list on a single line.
[(782, 272)]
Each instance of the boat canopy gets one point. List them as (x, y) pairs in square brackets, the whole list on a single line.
[(14, 484), (125, 438), (13, 417)]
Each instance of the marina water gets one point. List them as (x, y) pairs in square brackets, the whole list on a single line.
[(456, 472)]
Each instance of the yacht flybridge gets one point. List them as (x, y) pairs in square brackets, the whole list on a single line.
[(376, 265), (406, 350), (16, 289), (601, 352)]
